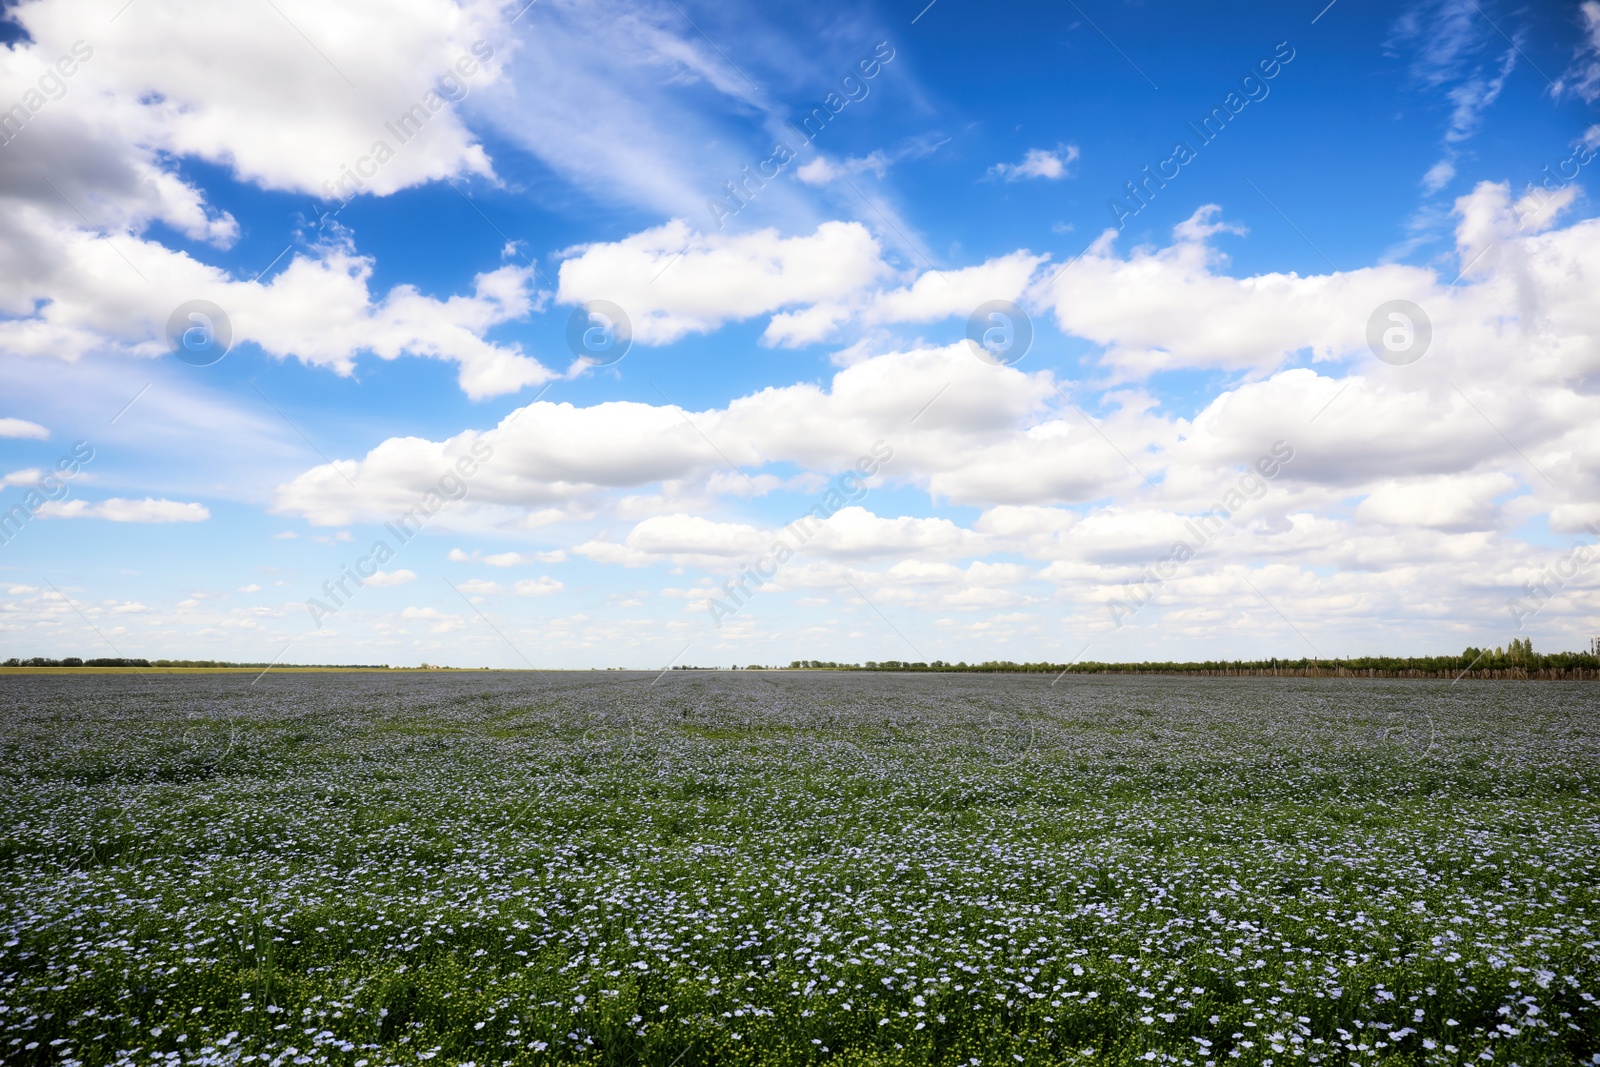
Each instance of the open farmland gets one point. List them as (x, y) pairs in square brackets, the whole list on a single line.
[(797, 867)]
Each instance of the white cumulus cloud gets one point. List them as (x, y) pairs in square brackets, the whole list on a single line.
[(116, 509), (1046, 163), (12, 427)]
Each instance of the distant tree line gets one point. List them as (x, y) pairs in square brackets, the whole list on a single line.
[(74, 661), (1519, 655)]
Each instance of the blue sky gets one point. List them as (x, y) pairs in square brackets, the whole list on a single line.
[(1427, 160)]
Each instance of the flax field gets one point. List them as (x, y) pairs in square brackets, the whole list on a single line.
[(796, 867)]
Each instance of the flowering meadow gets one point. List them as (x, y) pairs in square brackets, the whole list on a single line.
[(796, 867)]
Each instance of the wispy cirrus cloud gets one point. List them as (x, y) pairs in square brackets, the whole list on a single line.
[(1583, 77)]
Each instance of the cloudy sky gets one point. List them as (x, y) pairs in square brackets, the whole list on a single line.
[(1119, 330)]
